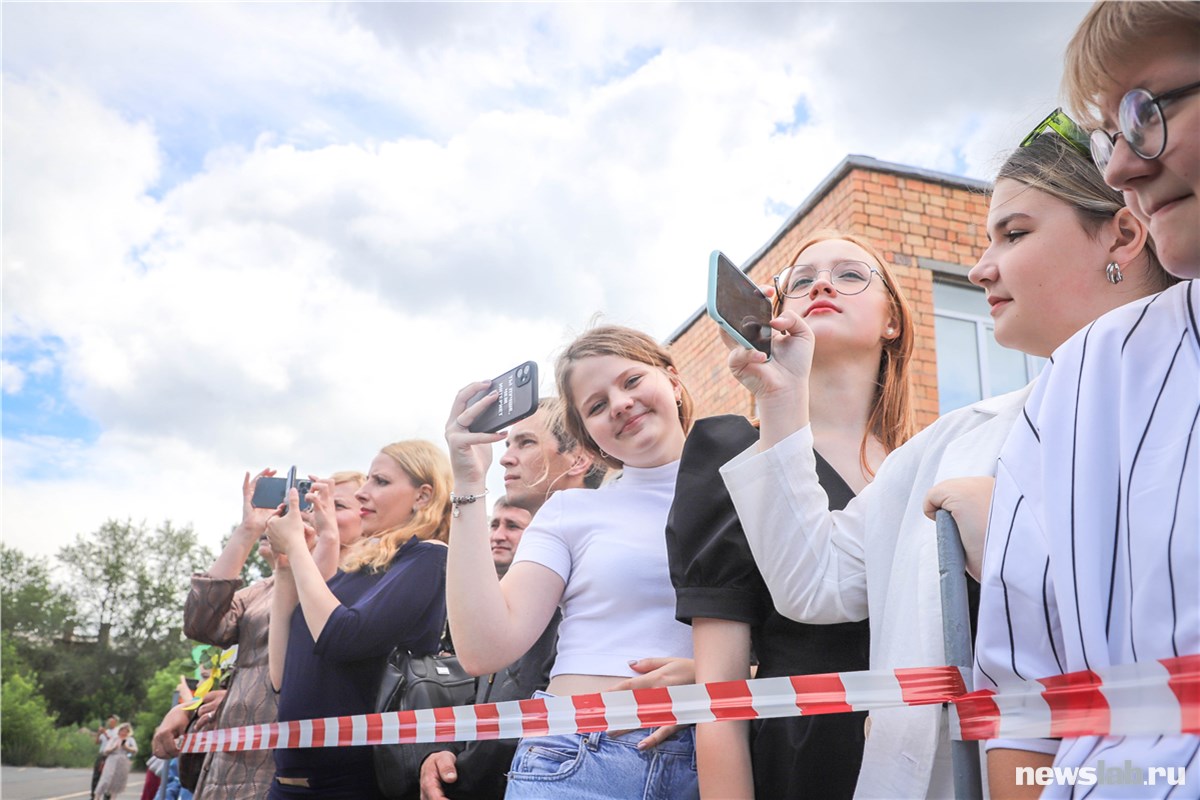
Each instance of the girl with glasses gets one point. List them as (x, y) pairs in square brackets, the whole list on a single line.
[(599, 554), (1053, 233), (861, 411), (1096, 496)]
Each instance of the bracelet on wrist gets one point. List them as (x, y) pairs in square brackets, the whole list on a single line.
[(460, 500)]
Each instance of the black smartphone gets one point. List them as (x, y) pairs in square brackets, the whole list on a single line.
[(302, 486), (518, 399), (269, 492), (272, 492), (737, 305)]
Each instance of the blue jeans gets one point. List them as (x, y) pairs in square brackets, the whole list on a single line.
[(597, 765)]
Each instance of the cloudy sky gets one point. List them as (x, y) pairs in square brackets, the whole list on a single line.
[(239, 236)]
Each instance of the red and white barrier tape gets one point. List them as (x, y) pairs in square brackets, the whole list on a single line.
[(1158, 697)]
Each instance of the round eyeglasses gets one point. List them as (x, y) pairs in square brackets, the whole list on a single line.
[(848, 277), (1142, 125)]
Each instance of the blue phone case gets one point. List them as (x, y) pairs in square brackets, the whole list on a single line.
[(713, 272)]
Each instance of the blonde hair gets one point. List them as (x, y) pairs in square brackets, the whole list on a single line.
[(613, 340), (425, 465), (1109, 34), (348, 476), (892, 420)]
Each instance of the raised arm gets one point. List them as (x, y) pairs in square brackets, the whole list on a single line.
[(811, 559), (283, 604), (328, 549), (210, 613), (245, 536), (493, 622), (286, 533)]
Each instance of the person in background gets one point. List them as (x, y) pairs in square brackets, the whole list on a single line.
[(539, 458), (118, 750), (221, 612), (861, 411), (103, 736), (1094, 535), (347, 508)]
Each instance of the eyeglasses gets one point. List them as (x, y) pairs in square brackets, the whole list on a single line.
[(1143, 126), (1064, 126), (848, 277)]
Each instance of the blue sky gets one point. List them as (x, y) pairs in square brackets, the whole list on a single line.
[(254, 235)]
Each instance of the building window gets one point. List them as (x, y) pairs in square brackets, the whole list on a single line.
[(970, 364)]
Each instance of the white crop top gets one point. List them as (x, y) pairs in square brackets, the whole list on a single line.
[(609, 545)]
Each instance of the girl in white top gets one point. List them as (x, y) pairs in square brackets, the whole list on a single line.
[(600, 555), (1054, 227)]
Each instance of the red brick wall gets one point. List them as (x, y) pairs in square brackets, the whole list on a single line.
[(913, 220)]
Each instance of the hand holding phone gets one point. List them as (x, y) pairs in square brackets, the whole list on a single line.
[(272, 492), (737, 305), (518, 399)]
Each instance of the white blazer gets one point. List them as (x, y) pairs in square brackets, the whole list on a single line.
[(876, 558)]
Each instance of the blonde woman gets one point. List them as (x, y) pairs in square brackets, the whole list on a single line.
[(328, 641)]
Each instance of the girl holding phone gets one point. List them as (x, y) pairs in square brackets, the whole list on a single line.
[(599, 554), (1054, 228), (328, 641), (861, 410)]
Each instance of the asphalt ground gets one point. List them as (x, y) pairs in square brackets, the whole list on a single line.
[(57, 783)]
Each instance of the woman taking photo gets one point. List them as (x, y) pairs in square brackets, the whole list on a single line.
[(1054, 229), (328, 642), (600, 554), (861, 411)]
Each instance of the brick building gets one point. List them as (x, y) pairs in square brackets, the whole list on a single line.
[(931, 228)]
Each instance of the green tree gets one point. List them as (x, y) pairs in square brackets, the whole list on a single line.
[(28, 730), (129, 583), (34, 608), (124, 586)]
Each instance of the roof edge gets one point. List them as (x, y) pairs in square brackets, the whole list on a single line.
[(847, 164)]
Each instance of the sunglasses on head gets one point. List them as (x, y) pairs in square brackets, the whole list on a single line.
[(1065, 127)]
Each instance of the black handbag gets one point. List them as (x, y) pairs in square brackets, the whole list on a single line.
[(411, 682)]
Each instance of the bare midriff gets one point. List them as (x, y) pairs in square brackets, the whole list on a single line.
[(562, 685)]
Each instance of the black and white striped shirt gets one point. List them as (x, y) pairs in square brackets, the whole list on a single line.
[(1093, 550)]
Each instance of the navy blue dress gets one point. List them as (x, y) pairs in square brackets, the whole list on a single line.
[(339, 674)]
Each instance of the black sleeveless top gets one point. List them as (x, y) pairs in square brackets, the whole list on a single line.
[(715, 577)]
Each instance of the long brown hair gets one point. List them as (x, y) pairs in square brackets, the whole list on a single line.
[(613, 340), (892, 420), (424, 464)]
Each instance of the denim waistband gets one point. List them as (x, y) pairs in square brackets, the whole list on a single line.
[(682, 742)]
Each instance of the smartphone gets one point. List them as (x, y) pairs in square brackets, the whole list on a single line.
[(269, 492), (272, 492), (518, 399), (302, 486), (737, 305)]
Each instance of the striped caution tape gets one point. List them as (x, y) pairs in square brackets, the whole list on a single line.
[(1161, 697)]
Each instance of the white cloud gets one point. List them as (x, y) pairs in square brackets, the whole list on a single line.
[(266, 234)]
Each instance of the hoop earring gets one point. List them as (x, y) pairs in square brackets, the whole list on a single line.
[(1113, 273)]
